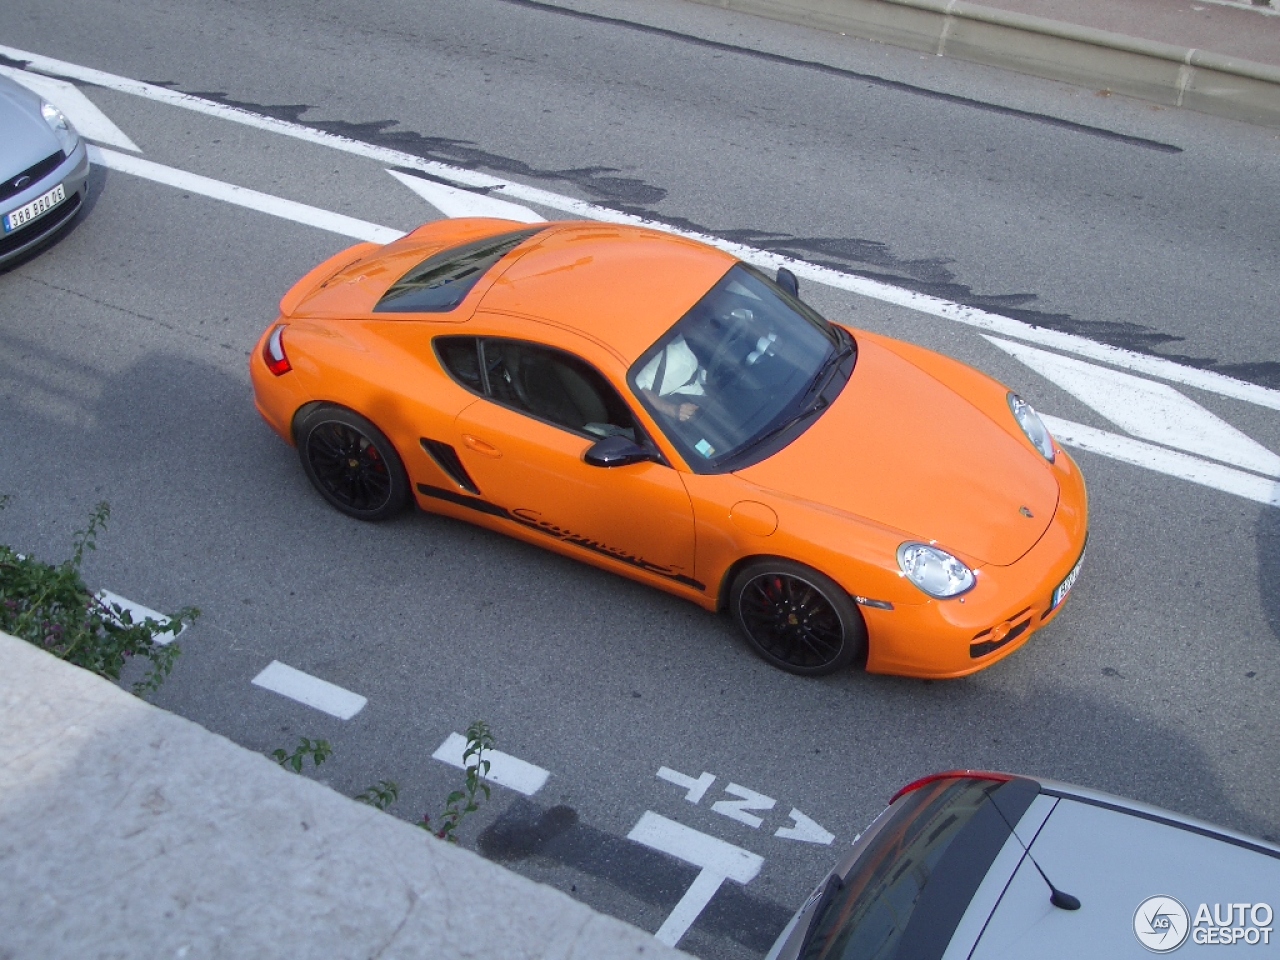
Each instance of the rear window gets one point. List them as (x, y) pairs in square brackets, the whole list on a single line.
[(441, 282), (905, 896)]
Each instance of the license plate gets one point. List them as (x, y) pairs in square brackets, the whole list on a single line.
[(1065, 587), (37, 207)]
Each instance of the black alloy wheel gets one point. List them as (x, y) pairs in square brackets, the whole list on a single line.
[(796, 618), (352, 463)]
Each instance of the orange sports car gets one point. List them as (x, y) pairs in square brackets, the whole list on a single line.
[(656, 407)]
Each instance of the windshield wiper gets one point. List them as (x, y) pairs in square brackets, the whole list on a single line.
[(807, 409), (804, 414), (827, 371)]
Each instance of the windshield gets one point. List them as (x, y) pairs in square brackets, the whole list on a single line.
[(441, 282), (737, 367), (906, 893)]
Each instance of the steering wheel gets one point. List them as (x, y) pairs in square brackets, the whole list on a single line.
[(729, 353)]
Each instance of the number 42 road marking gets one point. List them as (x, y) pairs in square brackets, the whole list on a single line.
[(803, 828)]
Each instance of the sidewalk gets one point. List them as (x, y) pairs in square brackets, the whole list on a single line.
[(126, 831), (1212, 56)]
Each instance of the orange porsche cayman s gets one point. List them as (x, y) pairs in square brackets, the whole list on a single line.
[(655, 407)]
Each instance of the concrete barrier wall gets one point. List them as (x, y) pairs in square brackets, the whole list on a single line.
[(126, 831), (1158, 72)]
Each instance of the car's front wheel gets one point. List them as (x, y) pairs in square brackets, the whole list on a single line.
[(352, 463), (796, 618)]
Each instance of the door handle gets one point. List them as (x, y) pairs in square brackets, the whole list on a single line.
[(481, 447)]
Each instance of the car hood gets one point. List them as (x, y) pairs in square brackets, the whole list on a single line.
[(25, 138), (901, 448)]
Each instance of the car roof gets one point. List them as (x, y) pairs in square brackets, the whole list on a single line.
[(1114, 855), (622, 286)]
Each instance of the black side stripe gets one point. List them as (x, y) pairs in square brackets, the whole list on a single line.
[(484, 506), (462, 500)]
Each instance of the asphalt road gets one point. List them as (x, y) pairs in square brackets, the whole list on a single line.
[(122, 378)]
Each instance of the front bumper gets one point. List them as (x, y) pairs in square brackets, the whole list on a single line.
[(73, 174), (941, 639)]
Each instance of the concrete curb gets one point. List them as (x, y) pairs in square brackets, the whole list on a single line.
[(1159, 72), (126, 831)]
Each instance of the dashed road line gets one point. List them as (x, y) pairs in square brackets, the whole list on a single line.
[(1206, 380), (718, 861), (138, 613), (320, 694), (504, 769)]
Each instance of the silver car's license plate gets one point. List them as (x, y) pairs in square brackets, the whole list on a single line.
[(1065, 587), (40, 205)]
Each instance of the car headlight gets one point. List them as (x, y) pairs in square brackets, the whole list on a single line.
[(1032, 426), (934, 571), (61, 126)]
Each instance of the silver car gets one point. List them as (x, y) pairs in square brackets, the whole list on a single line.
[(44, 170), (983, 865)]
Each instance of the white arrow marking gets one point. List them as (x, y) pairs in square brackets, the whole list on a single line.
[(718, 861), (138, 613), (84, 115), (1151, 411), (695, 789), (244, 197), (1166, 461), (453, 202), (805, 830), (922, 303), (504, 769), (735, 809), (321, 694)]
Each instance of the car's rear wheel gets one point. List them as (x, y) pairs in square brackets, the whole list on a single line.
[(796, 618), (352, 463)]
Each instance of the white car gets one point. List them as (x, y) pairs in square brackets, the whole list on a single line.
[(971, 865), (44, 171)]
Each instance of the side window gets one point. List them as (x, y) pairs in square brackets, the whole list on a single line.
[(556, 387), (461, 359)]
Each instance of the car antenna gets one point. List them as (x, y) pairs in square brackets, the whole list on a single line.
[(1059, 898)]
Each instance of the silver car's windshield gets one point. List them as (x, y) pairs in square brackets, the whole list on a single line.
[(736, 368)]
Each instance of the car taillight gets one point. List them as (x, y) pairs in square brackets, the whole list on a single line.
[(949, 775), (273, 352)]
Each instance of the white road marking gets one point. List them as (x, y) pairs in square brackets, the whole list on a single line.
[(1163, 460), (736, 809), (504, 769), (717, 860), (84, 115), (934, 306), (805, 830), (244, 197), (695, 789), (321, 694), (453, 202), (1148, 410), (139, 613)]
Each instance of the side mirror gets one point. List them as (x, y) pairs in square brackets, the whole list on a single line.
[(616, 451), (788, 282)]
